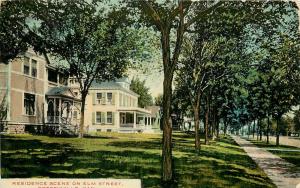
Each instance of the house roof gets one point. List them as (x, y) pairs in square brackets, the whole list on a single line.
[(61, 91), (153, 109), (111, 85)]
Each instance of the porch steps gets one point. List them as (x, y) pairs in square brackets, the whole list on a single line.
[(62, 129)]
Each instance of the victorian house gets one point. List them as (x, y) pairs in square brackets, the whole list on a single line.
[(34, 96)]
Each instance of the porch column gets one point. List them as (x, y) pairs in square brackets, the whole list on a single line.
[(134, 119), (60, 110), (54, 110), (71, 111)]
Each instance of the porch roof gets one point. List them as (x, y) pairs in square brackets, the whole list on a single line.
[(65, 92), (134, 109)]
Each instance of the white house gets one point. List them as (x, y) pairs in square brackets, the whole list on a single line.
[(113, 107)]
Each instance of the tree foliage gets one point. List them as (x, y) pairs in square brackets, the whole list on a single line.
[(145, 98)]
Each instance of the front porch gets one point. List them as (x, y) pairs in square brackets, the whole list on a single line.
[(135, 120), (62, 111)]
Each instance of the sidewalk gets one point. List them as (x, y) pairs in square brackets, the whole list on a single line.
[(278, 170)]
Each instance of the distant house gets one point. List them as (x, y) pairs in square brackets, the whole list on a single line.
[(33, 93), (113, 107), (155, 117)]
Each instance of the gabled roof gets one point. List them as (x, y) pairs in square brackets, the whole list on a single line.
[(62, 92), (111, 85)]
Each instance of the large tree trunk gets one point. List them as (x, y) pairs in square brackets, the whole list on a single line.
[(206, 120), (167, 169), (260, 130), (167, 164), (225, 126), (277, 131), (218, 127), (82, 108), (197, 121), (257, 130), (214, 125), (253, 130), (268, 129)]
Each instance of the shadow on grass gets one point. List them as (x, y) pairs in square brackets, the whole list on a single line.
[(265, 145), (210, 168)]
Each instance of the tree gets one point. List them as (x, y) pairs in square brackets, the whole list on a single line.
[(296, 120), (138, 86), (168, 17), (164, 17), (13, 36), (158, 101)]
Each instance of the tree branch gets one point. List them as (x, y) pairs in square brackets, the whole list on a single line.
[(148, 9), (201, 14)]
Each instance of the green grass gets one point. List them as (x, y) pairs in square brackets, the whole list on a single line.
[(220, 164), (290, 156)]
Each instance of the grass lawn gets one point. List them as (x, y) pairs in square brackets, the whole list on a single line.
[(282, 151), (220, 164)]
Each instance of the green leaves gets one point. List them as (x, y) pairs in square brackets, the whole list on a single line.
[(145, 98)]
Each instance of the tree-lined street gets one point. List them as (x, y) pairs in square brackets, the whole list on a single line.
[(228, 68)]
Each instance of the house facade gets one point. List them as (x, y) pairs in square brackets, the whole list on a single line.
[(29, 95), (113, 107)]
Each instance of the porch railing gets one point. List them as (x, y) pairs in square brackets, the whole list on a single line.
[(126, 125), (131, 125), (61, 120)]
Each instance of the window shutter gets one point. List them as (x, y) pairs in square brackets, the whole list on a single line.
[(113, 118), (93, 118), (94, 98), (103, 120), (113, 98), (104, 98)]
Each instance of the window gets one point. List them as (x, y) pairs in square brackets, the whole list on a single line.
[(109, 98), (98, 117), (63, 79), (109, 117), (30, 68), (33, 68), (26, 67), (52, 75), (75, 115), (98, 98), (76, 94), (29, 104)]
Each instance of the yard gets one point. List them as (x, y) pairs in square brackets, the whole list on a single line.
[(220, 164)]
